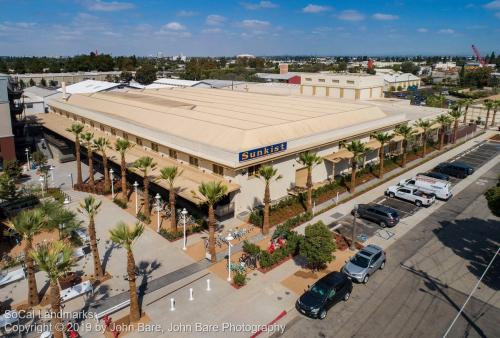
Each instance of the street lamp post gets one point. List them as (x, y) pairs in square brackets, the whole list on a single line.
[(27, 152), (71, 177), (42, 185), (52, 173), (112, 183), (61, 228), (184, 214), (157, 198), (229, 238), (355, 214), (136, 199)]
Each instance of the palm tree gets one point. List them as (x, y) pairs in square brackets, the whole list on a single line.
[(358, 149), (455, 115), (170, 174), (383, 138), (268, 174), (309, 160), (426, 126), (497, 105), (87, 138), (59, 218), (27, 224), (466, 103), (405, 131), (122, 146), (145, 164), (76, 129), (444, 120), (90, 207), (55, 259), (101, 144), (488, 104), (211, 192), (125, 236)]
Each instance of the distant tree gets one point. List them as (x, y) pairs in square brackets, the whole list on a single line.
[(126, 76), (19, 67), (8, 189), (12, 169), (52, 83), (317, 246), (43, 82), (108, 78), (493, 197), (32, 83), (3, 67), (146, 74), (400, 88), (22, 84), (409, 67)]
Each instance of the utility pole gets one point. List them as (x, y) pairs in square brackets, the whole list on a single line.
[(355, 214)]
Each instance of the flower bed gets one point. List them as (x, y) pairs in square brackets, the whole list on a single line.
[(192, 229)]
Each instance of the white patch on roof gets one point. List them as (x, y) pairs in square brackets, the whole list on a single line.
[(90, 86), (400, 77), (177, 82)]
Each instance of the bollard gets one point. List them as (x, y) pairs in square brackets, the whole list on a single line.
[(337, 199), (172, 304), (191, 294), (208, 284)]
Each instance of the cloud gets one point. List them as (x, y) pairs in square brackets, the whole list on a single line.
[(255, 24), (211, 31), (259, 5), (492, 5), (311, 8), (422, 30), (350, 15), (184, 13), (385, 17), (446, 31), (111, 6), (173, 26), (215, 20), (497, 15)]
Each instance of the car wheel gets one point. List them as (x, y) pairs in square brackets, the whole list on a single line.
[(383, 224), (382, 266), (418, 203), (322, 314), (346, 296), (365, 280), (392, 195)]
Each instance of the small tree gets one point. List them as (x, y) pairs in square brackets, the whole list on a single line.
[(146, 74), (8, 189), (317, 246), (126, 76), (39, 159), (12, 169), (43, 82), (493, 197), (32, 83)]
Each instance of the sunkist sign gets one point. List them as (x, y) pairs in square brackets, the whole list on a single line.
[(261, 152)]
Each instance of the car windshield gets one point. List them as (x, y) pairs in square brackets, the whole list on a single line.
[(361, 261), (393, 214), (319, 290)]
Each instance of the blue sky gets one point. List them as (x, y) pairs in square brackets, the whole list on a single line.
[(221, 27)]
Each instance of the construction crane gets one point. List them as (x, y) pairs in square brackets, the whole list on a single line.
[(479, 58)]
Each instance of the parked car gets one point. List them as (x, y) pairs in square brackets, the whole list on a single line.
[(434, 174), (323, 294), (411, 194), (380, 214), (455, 169), (440, 189), (364, 264)]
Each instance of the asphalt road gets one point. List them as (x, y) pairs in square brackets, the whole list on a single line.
[(428, 274)]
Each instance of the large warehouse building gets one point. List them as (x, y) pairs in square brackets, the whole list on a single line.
[(226, 135)]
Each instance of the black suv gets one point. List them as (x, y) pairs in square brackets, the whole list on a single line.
[(323, 294), (436, 175), (455, 169), (380, 214)]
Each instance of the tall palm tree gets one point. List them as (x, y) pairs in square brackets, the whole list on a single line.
[(27, 224), (170, 174), (383, 138), (101, 144), (122, 146), (90, 207), (55, 259), (467, 103), (497, 105), (87, 138), (358, 150), (268, 174), (76, 129), (405, 131), (444, 120), (59, 218), (455, 115), (211, 193), (125, 236), (426, 126), (309, 160), (145, 164), (488, 104)]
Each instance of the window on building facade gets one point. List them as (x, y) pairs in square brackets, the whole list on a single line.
[(253, 170), (336, 81), (138, 140), (308, 79), (101, 127), (350, 82), (321, 80), (91, 123), (154, 146), (113, 131), (218, 170), (172, 153), (29, 105), (125, 136), (193, 161)]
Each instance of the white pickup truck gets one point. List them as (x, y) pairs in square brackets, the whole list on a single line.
[(411, 194)]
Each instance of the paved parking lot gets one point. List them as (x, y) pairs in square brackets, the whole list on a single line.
[(478, 155)]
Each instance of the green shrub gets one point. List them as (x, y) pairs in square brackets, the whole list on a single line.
[(120, 203), (318, 246), (265, 259), (172, 236), (250, 248), (256, 217), (239, 278), (141, 217)]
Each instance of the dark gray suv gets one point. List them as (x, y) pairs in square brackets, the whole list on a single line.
[(380, 214)]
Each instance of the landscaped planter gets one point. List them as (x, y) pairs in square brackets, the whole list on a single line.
[(266, 270)]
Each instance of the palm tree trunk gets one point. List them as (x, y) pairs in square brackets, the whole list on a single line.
[(405, 146), (455, 131), (494, 117), (309, 191), (441, 139), (33, 298), (90, 154), (381, 166), (465, 114), (135, 311), (147, 212), (267, 200), (353, 177), (211, 234), (123, 167), (487, 118), (98, 271), (79, 179), (55, 307), (424, 146), (173, 218), (107, 182)]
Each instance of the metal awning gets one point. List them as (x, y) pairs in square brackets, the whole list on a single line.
[(339, 156), (418, 130), (436, 125), (397, 138), (373, 144)]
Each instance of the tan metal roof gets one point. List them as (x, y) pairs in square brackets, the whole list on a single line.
[(373, 144), (339, 156), (231, 121), (397, 138)]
